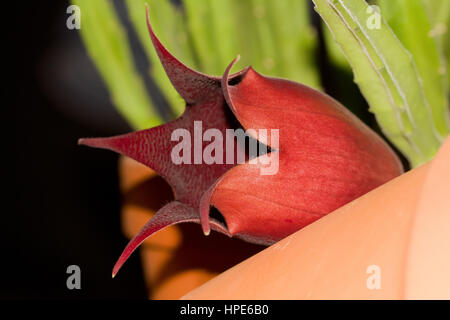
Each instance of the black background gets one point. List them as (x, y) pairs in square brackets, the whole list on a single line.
[(66, 199)]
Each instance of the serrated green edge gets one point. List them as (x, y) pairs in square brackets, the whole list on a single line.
[(409, 20), (387, 88)]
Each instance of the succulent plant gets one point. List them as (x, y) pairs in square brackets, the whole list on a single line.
[(324, 156)]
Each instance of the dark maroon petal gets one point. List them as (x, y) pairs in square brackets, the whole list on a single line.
[(192, 85), (172, 213), (153, 147)]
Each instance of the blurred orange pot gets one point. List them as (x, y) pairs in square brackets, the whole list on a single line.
[(392, 243), (179, 258)]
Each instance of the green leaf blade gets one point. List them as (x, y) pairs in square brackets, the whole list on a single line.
[(386, 75), (107, 45)]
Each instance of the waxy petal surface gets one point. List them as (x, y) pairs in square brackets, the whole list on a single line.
[(326, 158)]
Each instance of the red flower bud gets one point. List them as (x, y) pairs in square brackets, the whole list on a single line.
[(320, 155)]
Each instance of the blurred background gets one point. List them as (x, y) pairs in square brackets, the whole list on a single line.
[(66, 198)]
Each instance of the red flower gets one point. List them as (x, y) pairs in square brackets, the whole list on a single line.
[(320, 156)]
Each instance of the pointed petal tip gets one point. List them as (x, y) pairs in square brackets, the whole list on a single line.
[(225, 87), (119, 263), (204, 221), (94, 142), (147, 14), (116, 268), (81, 141), (205, 203), (89, 142), (200, 86), (230, 66), (226, 75), (172, 213)]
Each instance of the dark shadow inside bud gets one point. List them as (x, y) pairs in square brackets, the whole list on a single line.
[(253, 148), (214, 214), (236, 80)]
